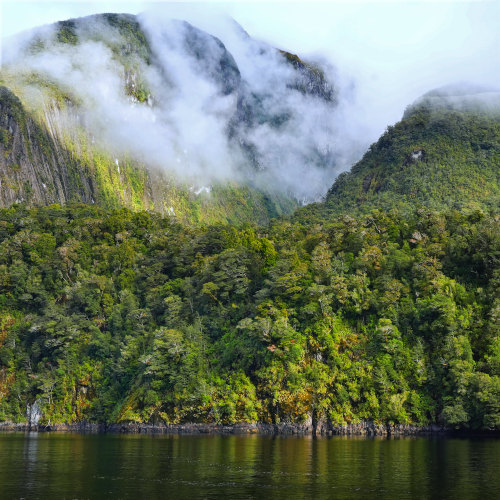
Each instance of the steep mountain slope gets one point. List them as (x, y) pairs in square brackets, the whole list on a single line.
[(120, 316), (117, 110), (33, 167), (445, 152)]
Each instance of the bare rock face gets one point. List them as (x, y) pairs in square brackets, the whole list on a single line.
[(33, 414), (34, 169)]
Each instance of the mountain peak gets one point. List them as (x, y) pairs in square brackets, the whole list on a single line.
[(443, 153)]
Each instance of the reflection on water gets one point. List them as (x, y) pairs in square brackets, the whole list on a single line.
[(130, 466)]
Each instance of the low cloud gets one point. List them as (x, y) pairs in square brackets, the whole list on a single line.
[(231, 107), (212, 113)]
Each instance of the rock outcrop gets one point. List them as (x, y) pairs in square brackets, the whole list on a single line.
[(34, 167)]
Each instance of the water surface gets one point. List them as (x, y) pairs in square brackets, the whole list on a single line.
[(45, 465)]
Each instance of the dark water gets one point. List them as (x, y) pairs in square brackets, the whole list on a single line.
[(57, 466)]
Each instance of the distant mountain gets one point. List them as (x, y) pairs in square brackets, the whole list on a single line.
[(117, 110), (444, 153)]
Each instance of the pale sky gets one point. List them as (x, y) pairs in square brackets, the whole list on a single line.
[(394, 50)]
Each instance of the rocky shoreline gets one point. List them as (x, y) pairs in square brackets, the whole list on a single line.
[(367, 429)]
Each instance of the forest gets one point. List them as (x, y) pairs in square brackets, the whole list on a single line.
[(119, 316)]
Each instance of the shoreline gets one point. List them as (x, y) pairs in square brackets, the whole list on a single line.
[(323, 429)]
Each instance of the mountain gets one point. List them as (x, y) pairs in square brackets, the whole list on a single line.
[(444, 153), (121, 110), (375, 310)]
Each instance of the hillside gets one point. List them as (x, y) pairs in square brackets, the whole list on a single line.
[(444, 153), (119, 317), (108, 109), (143, 278)]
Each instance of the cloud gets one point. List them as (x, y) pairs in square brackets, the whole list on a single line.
[(254, 125), (183, 133), (394, 51), (209, 117)]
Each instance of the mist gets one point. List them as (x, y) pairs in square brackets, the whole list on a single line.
[(173, 134), (376, 58), (213, 113)]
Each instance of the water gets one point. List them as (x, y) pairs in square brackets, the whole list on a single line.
[(74, 466)]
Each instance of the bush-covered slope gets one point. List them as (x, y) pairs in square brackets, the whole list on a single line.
[(121, 316), (444, 153)]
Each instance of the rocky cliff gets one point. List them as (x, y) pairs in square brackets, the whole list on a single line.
[(35, 168), (116, 110)]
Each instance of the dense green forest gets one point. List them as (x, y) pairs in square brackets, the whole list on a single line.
[(444, 153), (116, 316)]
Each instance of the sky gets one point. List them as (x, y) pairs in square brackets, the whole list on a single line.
[(391, 52)]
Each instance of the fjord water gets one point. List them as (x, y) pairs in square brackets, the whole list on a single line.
[(41, 465)]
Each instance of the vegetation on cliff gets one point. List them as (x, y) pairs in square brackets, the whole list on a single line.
[(63, 142), (145, 297)]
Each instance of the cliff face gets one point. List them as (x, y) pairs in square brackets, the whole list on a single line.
[(41, 165), (110, 110), (34, 168)]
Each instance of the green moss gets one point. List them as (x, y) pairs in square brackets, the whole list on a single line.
[(141, 93), (297, 62), (28, 190), (130, 30), (51, 90)]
